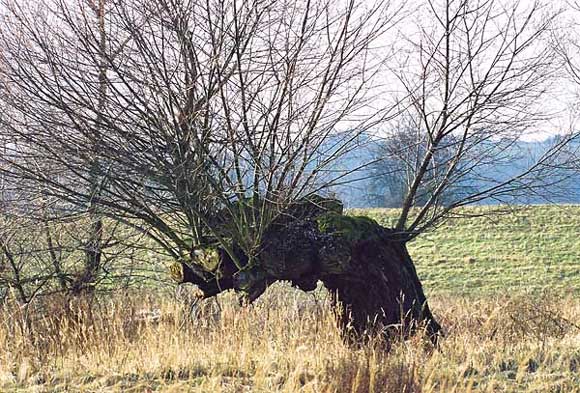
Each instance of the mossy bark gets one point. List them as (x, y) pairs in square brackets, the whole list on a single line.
[(366, 266), (382, 292)]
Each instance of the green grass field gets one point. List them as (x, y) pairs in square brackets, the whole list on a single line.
[(533, 249)]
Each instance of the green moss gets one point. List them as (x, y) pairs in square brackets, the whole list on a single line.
[(351, 228), (176, 271), (208, 258)]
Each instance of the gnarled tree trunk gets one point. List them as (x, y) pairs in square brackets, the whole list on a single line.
[(382, 291), (365, 265)]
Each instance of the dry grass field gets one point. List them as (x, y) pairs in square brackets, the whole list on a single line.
[(505, 291), (287, 342)]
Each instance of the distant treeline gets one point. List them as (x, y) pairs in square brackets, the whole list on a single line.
[(380, 182)]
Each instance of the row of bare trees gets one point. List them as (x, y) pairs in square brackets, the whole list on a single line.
[(167, 116)]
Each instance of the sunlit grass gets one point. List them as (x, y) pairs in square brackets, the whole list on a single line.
[(287, 342), (504, 290)]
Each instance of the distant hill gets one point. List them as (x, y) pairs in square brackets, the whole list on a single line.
[(363, 188)]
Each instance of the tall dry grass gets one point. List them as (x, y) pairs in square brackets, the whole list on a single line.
[(287, 342)]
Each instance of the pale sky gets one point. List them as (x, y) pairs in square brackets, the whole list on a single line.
[(560, 100)]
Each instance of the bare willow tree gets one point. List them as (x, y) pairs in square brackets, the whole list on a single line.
[(86, 279), (212, 127), (474, 83), (43, 250)]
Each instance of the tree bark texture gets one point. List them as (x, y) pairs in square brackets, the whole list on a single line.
[(366, 267)]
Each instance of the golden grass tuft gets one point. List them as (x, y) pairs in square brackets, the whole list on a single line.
[(287, 342)]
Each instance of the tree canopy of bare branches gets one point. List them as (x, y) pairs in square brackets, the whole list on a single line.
[(167, 114), (473, 82)]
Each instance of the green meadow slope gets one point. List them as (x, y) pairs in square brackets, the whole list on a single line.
[(531, 249)]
